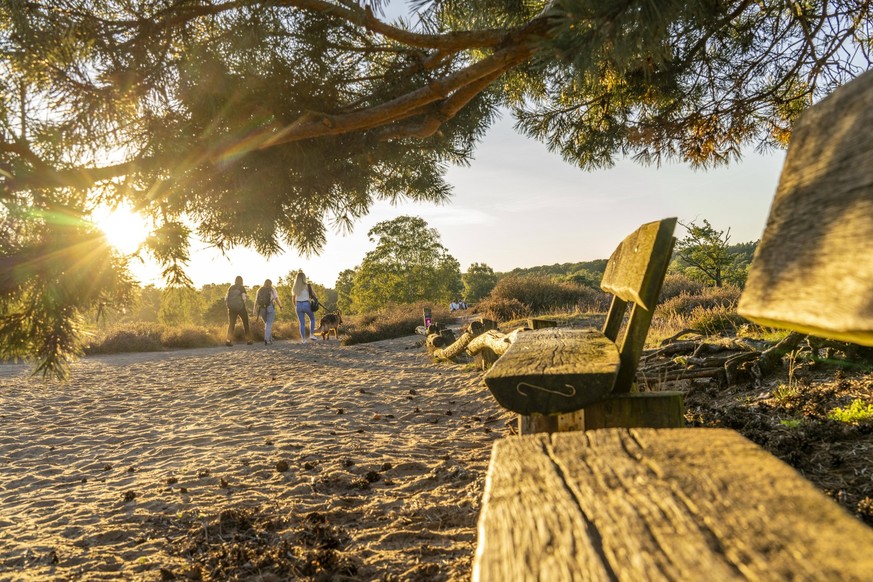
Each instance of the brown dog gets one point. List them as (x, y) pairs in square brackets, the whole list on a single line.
[(330, 323)]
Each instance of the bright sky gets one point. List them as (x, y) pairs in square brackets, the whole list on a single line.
[(518, 205)]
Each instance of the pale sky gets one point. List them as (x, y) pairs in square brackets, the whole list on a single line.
[(518, 205)]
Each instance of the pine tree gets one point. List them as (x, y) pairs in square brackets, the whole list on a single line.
[(261, 122)]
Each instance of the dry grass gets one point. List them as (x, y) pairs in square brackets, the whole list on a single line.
[(390, 322), (518, 297)]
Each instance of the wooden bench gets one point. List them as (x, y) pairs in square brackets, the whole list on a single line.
[(564, 379), (683, 504), (813, 269), (658, 504)]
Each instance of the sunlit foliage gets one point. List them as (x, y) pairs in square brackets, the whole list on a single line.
[(267, 123), (409, 264)]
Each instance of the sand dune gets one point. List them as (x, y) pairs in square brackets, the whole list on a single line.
[(311, 461)]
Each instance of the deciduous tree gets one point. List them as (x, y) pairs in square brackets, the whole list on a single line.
[(344, 283), (479, 280), (408, 264), (706, 254)]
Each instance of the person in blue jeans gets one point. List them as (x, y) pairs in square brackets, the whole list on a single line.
[(235, 300), (266, 304), (302, 295)]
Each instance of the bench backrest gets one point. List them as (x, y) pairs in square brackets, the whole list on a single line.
[(634, 275), (813, 269)]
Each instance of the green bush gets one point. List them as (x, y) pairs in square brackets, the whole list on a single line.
[(857, 412)]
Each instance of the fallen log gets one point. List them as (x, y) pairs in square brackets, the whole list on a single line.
[(681, 374), (473, 343), (456, 348), (493, 340)]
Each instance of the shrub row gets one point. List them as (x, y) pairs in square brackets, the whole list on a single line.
[(390, 322), (517, 297)]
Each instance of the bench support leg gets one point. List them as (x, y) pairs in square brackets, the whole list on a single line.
[(641, 409), (551, 422), (636, 410)]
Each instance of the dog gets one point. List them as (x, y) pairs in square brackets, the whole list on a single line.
[(330, 323)]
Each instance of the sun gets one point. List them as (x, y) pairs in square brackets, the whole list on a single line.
[(125, 230)]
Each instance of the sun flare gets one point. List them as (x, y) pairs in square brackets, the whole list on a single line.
[(125, 230)]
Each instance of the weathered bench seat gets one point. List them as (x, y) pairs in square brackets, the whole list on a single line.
[(659, 504), (551, 376), (563, 370)]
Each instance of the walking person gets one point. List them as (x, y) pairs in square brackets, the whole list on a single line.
[(235, 300), (303, 298), (266, 304)]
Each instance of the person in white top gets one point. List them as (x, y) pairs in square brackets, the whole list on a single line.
[(302, 298)]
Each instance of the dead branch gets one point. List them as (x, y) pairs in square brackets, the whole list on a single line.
[(675, 337), (669, 350), (771, 356)]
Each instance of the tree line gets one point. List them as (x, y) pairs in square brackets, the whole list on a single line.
[(409, 263)]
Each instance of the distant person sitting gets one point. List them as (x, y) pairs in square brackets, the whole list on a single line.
[(235, 300), (453, 306)]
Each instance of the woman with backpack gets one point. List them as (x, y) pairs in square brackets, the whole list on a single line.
[(235, 300), (266, 304), (304, 299)]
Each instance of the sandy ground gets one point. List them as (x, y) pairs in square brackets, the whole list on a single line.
[(292, 461)]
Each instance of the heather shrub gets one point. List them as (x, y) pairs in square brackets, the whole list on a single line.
[(503, 309), (676, 284), (127, 337), (392, 321), (708, 298), (715, 320), (284, 329), (521, 296), (189, 336), (711, 311)]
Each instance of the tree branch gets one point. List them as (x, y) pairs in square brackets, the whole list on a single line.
[(317, 125)]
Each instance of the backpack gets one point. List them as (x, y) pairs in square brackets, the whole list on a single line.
[(264, 297), (313, 300), (234, 298)]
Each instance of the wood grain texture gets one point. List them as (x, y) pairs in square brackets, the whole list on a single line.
[(554, 370), (664, 409), (659, 504), (635, 269), (813, 270)]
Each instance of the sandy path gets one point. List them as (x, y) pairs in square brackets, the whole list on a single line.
[(172, 465)]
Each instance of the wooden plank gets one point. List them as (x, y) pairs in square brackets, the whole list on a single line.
[(534, 423), (664, 409), (635, 269), (659, 504), (813, 270), (554, 370), (535, 323)]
